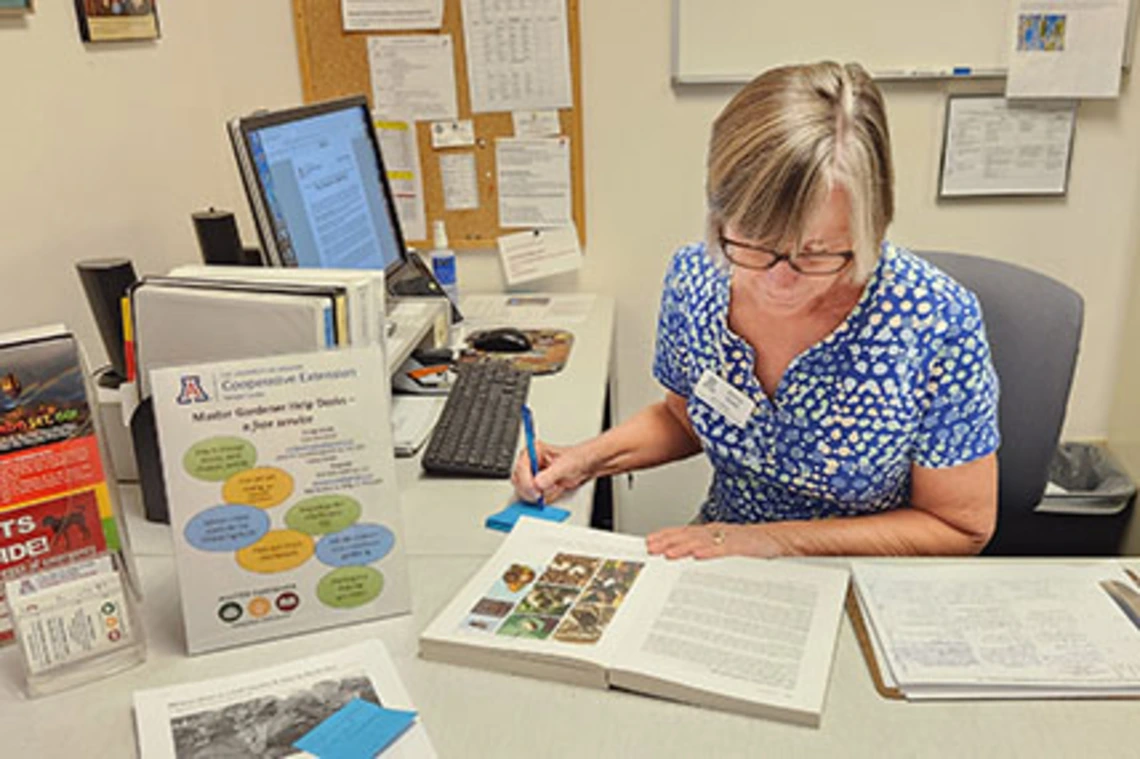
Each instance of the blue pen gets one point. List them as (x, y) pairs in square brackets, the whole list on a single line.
[(528, 431)]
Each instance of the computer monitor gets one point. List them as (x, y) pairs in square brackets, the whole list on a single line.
[(316, 182)]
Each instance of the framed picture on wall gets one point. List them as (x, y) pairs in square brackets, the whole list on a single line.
[(992, 146), (15, 7), (117, 20)]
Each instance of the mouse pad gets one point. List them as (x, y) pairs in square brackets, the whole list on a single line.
[(549, 350)]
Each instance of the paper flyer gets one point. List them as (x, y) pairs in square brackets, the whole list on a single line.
[(518, 54), (413, 76), (265, 712), (391, 15), (535, 186), (527, 256), (55, 504), (1066, 48), (401, 154), (283, 500)]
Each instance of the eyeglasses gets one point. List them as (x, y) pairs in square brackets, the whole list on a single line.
[(807, 263)]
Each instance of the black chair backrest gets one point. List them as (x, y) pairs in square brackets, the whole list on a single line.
[(1034, 324)]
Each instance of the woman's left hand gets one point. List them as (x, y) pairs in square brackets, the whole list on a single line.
[(709, 541)]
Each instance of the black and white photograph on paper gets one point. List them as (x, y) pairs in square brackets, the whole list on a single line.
[(265, 712), (992, 146), (266, 725)]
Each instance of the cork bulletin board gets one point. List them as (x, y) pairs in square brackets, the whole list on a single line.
[(334, 63)]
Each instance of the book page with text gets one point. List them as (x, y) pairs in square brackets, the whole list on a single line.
[(752, 630)]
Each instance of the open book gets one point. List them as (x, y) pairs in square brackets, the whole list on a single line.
[(975, 629), (593, 608)]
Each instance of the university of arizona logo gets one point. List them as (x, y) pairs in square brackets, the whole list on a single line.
[(192, 391)]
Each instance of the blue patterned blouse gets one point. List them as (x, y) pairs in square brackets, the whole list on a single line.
[(905, 379)]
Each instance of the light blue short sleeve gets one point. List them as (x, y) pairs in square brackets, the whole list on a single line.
[(960, 419)]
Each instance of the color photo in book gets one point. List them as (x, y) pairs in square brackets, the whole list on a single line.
[(574, 599)]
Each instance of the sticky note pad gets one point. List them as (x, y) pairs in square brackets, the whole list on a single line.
[(359, 729), (505, 519)]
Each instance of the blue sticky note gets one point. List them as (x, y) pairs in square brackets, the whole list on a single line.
[(504, 520), (359, 730)]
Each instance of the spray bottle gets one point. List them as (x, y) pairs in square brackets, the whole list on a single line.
[(443, 261)]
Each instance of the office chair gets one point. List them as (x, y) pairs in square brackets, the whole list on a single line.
[(1034, 327)]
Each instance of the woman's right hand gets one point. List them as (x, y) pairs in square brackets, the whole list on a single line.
[(560, 471)]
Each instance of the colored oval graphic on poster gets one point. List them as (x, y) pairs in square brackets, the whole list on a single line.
[(263, 487), (226, 528), (278, 551), (356, 546), (219, 458), (323, 514), (349, 587)]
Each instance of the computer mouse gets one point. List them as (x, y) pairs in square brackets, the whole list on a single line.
[(501, 340)]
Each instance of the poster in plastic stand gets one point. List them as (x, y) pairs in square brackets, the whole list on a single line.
[(56, 504), (281, 482)]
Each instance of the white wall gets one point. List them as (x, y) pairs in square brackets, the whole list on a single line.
[(1124, 416), (108, 149)]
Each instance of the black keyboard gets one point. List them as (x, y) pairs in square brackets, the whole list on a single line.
[(479, 427)]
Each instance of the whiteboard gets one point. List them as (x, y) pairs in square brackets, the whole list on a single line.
[(731, 41)]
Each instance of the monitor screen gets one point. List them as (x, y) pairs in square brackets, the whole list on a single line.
[(316, 181)]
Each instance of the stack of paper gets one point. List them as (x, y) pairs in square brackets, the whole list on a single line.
[(986, 629)]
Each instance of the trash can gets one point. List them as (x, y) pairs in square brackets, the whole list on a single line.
[(1087, 501)]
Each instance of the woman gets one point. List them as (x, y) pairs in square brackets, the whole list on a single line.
[(841, 387)]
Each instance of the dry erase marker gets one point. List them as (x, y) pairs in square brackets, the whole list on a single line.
[(528, 432)]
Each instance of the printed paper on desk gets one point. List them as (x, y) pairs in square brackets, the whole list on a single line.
[(539, 253), (534, 182), (391, 15), (460, 183), (272, 706), (401, 154), (518, 54), (536, 123), (413, 76), (532, 311), (456, 133), (1066, 48)]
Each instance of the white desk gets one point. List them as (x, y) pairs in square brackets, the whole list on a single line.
[(444, 517), (472, 713)]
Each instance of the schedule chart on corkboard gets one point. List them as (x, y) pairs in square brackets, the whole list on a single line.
[(503, 153)]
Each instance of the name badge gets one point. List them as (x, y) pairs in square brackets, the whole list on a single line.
[(732, 404)]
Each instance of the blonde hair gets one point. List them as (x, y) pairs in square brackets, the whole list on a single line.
[(789, 137)]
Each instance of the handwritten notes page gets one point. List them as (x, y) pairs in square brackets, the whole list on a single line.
[(985, 628)]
